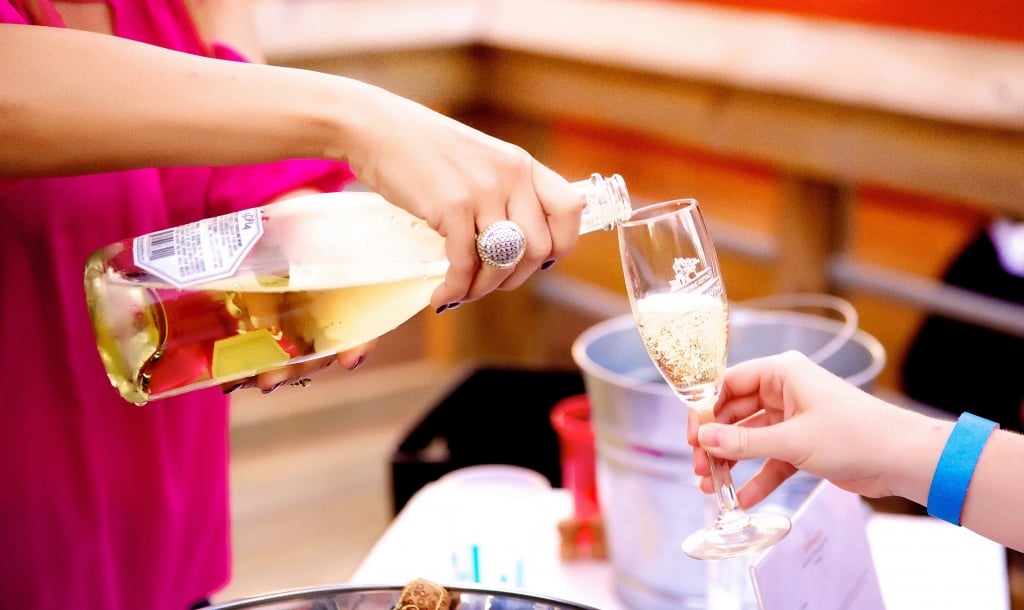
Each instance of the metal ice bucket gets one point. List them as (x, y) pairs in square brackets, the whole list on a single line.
[(645, 478), (359, 597)]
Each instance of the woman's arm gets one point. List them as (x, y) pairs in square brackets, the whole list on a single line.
[(798, 415), (79, 102), (996, 494)]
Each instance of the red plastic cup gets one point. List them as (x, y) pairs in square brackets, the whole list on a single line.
[(570, 418)]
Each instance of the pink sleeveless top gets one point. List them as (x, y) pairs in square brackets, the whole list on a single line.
[(105, 505)]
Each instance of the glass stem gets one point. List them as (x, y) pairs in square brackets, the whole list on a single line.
[(730, 516)]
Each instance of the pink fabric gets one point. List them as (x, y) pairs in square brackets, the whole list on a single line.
[(105, 505)]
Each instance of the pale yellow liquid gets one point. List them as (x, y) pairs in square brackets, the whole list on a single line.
[(182, 340), (687, 335)]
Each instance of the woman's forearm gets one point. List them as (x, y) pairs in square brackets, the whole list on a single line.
[(995, 496), (76, 102)]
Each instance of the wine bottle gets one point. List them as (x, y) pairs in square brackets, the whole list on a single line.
[(225, 298)]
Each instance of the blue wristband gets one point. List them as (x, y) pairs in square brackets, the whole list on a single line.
[(956, 466)]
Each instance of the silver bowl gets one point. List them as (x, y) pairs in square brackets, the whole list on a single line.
[(369, 597)]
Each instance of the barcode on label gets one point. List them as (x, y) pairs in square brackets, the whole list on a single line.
[(161, 244), (206, 250)]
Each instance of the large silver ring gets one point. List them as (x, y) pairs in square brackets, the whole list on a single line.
[(501, 245)]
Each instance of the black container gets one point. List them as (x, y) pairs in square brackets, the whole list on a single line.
[(494, 415)]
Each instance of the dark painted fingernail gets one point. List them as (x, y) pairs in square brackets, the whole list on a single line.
[(274, 387), (548, 264), (454, 305), (358, 362), (241, 385), (441, 308)]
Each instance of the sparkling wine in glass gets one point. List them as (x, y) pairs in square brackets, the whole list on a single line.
[(678, 299)]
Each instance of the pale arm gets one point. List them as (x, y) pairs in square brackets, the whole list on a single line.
[(994, 499), (77, 102), (800, 416), (996, 493)]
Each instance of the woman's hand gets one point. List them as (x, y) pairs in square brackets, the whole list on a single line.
[(300, 374), (460, 181), (204, 111), (799, 415)]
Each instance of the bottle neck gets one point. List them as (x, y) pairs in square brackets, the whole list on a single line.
[(606, 202)]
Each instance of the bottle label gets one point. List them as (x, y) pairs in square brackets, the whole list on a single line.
[(210, 249)]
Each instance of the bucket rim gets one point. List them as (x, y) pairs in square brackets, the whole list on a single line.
[(874, 348), (861, 378), (588, 364)]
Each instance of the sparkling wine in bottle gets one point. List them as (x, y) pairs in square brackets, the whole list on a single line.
[(225, 298)]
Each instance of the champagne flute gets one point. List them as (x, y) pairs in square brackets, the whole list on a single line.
[(678, 299)]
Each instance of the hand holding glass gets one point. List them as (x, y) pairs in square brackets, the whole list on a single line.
[(678, 299)]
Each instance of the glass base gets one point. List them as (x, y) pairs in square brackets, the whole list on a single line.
[(760, 532)]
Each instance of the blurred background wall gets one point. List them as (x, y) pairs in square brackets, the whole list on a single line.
[(847, 147), (850, 147)]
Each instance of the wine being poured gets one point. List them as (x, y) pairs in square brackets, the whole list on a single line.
[(679, 301), (229, 297)]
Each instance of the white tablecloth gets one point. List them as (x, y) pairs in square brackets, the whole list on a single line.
[(921, 562)]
